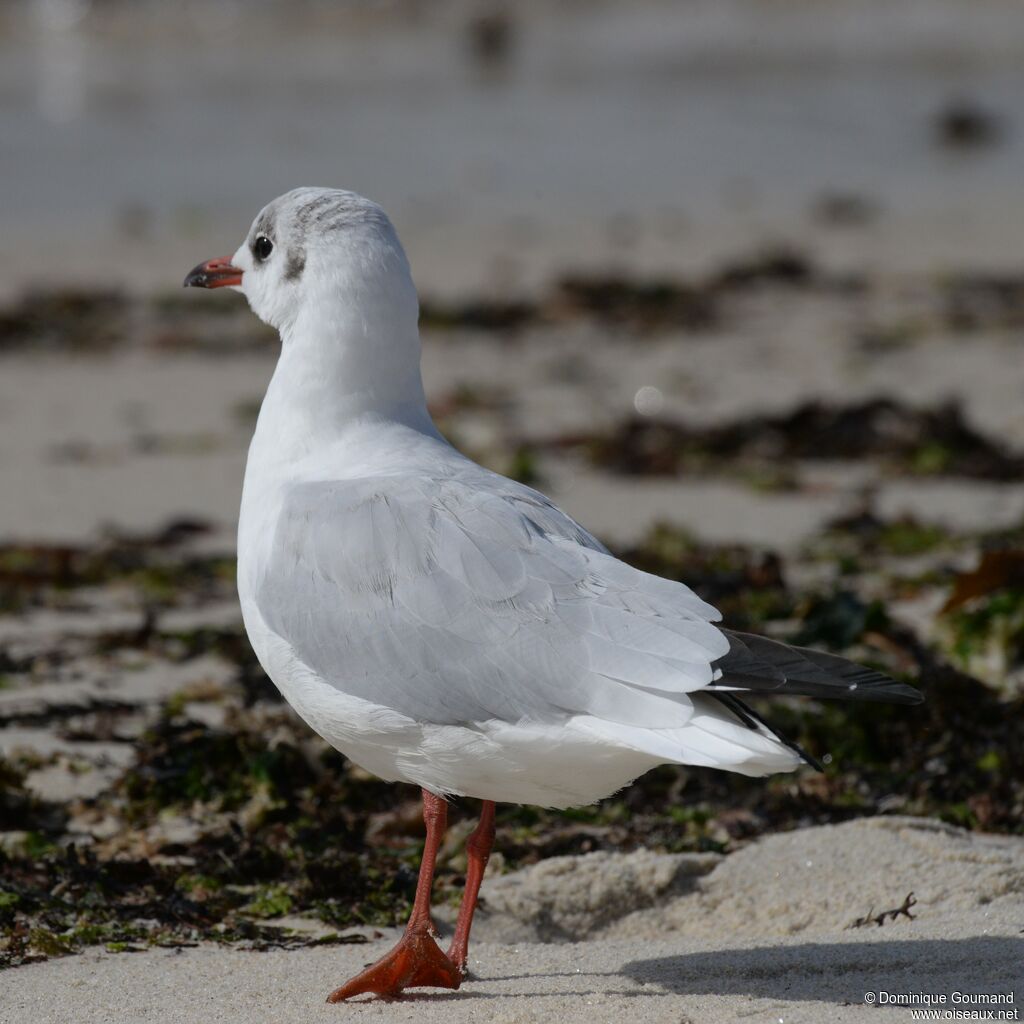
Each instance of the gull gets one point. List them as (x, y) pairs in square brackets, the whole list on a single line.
[(440, 624)]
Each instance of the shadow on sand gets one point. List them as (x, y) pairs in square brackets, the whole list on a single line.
[(844, 971)]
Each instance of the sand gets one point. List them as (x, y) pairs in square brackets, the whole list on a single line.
[(764, 935)]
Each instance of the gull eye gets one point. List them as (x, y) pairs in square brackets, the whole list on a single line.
[(262, 247)]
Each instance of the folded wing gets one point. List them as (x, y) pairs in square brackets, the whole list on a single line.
[(456, 602)]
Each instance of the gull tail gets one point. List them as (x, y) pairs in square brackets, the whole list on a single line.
[(752, 720)]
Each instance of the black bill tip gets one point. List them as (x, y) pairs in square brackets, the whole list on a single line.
[(215, 273)]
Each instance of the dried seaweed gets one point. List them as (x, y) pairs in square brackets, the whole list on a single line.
[(903, 910), (928, 442)]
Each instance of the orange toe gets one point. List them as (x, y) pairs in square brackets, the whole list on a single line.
[(417, 961)]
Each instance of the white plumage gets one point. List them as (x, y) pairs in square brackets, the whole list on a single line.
[(436, 622)]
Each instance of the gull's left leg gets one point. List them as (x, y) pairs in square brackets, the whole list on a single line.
[(478, 851), (417, 959)]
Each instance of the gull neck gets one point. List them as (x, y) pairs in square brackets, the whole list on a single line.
[(334, 374)]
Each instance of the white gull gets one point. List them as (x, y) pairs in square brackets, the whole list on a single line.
[(441, 624)]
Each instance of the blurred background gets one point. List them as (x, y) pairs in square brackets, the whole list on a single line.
[(740, 284)]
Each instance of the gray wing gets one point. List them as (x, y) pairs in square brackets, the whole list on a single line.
[(471, 599)]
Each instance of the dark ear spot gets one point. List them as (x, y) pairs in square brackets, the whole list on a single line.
[(296, 264)]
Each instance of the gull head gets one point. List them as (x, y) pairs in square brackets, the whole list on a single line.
[(323, 258)]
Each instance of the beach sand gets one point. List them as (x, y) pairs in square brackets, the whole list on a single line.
[(764, 936)]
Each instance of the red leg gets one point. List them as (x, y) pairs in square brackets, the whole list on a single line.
[(417, 959), (478, 851)]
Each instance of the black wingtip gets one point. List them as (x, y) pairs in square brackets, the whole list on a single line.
[(754, 665), (880, 690), (902, 693)]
